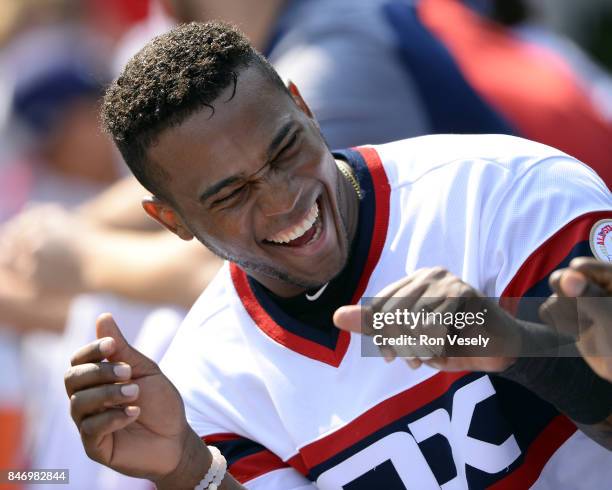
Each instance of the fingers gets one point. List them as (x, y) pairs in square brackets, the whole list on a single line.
[(413, 362), (388, 353), (595, 270), (595, 310), (554, 280), (118, 349), (401, 296), (388, 292), (412, 286), (590, 281), (93, 400), (111, 345), (348, 318), (571, 283), (107, 327), (95, 428), (94, 351), (84, 376), (575, 284)]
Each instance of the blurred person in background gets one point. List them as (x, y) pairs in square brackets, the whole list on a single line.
[(61, 158), (375, 71), (538, 92), (400, 59), (528, 19), (51, 78), (372, 71)]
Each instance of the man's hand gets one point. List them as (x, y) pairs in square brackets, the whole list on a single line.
[(39, 246), (129, 415), (437, 290), (25, 309), (590, 318)]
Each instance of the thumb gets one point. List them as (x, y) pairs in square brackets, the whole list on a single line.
[(348, 318), (119, 350), (593, 302), (595, 270), (574, 284)]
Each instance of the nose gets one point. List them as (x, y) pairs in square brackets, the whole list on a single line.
[(278, 196)]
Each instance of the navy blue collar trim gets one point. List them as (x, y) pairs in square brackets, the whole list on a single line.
[(313, 319)]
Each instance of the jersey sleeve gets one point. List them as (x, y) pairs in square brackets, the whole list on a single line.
[(545, 220)]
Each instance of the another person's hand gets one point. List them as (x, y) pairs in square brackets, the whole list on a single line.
[(25, 309), (43, 245), (437, 290), (589, 317), (130, 416), (59, 252)]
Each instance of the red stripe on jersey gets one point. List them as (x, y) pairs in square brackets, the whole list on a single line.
[(251, 466), (377, 417), (532, 87), (299, 344), (381, 222), (277, 333), (551, 253), (255, 465), (220, 437), (297, 463), (539, 452)]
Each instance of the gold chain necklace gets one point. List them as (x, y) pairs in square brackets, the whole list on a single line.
[(347, 171)]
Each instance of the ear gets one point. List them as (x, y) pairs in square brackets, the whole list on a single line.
[(299, 101), (165, 215)]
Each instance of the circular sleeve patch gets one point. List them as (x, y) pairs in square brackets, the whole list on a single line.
[(601, 240)]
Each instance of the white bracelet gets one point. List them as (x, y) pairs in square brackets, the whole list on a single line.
[(220, 474), (216, 472)]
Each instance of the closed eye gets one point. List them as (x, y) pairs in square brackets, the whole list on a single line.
[(232, 195), (290, 144)]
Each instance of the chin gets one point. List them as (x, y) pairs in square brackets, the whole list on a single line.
[(320, 273), (327, 271)]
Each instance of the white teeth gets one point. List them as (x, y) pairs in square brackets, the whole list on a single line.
[(298, 230)]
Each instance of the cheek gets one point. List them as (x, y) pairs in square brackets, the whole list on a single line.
[(232, 235)]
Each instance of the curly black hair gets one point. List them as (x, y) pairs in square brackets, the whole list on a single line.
[(172, 77)]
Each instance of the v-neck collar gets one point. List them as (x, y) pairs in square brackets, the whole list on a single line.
[(322, 341)]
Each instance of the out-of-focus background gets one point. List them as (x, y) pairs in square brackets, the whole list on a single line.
[(73, 240)]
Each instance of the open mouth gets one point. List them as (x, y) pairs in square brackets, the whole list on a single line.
[(303, 233)]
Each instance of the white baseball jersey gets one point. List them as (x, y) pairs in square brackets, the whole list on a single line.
[(293, 404)]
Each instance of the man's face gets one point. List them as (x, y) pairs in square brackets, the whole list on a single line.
[(253, 175)]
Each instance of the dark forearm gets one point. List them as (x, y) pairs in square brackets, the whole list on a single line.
[(574, 389)]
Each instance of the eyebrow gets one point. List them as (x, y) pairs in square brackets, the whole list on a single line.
[(272, 148)]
